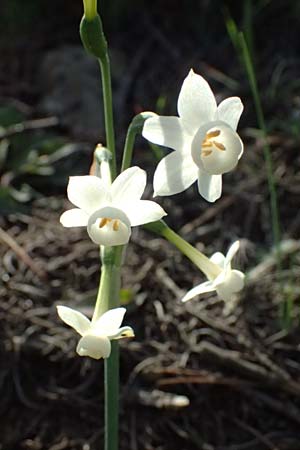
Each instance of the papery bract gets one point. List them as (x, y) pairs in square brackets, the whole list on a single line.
[(204, 139), (96, 335)]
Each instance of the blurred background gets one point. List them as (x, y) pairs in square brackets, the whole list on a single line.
[(202, 375)]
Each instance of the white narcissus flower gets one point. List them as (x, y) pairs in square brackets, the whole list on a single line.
[(110, 210), (96, 335), (204, 139), (222, 278)]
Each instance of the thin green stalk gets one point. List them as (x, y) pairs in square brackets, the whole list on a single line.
[(111, 390), (266, 148), (199, 259), (108, 298), (134, 128), (108, 111)]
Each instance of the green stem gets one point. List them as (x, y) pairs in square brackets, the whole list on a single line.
[(266, 148), (135, 127), (108, 111), (111, 389), (108, 298), (90, 9), (210, 269)]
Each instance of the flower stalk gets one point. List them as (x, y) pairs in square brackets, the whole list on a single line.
[(194, 255), (135, 127), (108, 297)]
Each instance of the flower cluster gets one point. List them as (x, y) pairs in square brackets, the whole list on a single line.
[(205, 146)]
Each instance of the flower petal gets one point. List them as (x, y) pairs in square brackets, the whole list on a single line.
[(144, 211), (167, 131), (88, 193), (209, 186), (196, 102), (202, 288), (174, 173), (219, 259), (233, 249), (123, 332), (74, 218), (94, 346), (128, 186), (229, 111), (233, 282), (109, 323), (109, 226), (74, 319)]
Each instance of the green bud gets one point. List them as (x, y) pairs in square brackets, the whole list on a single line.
[(92, 36)]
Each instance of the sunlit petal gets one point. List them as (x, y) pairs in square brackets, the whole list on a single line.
[(74, 218), (202, 288), (128, 186), (144, 211), (210, 186), (94, 346), (196, 102), (88, 193), (175, 173), (229, 111), (74, 319), (109, 323), (167, 131)]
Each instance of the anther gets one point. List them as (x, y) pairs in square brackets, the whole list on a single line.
[(219, 145), (212, 134), (116, 225), (206, 152), (104, 221)]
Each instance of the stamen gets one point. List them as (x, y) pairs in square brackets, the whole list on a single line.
[(104, 221), (116, 225), (206, 144), (219, 145), (206, 152), (212, 134)]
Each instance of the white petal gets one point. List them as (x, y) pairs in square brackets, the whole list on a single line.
[(218, 258), (233, 249), (94, 346), (209, 186), (109, 323), (234, 282), (174, 173), (74, 319), (123, 332), (88, 193), (202, 288), (128, 186), (74, 218), (144, 211), (230, 110), (196, 102), (109, 226), (167, 131)]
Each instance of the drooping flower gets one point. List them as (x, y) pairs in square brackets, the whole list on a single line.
[(110, 210), (96, 335), (204, 139), (221, 277)]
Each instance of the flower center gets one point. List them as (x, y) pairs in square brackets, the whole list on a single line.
[(209, 143), (106, 220)]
